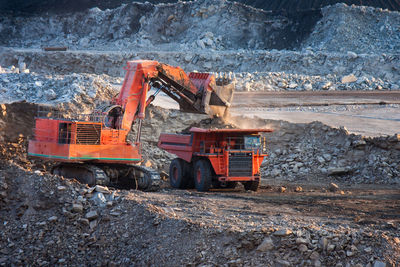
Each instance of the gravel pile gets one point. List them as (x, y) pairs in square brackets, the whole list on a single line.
[(262, 71), (52, 89), (317, 152)]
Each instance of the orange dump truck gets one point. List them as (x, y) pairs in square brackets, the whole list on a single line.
[(215, 158)]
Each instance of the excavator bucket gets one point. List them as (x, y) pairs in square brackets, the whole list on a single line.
[(214, 95), (221, 97), (196, 92)]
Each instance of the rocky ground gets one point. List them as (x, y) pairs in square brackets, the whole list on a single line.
[(328, 197), (48, 220)]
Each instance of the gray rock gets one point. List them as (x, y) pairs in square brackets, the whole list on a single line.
[(349, 78), (51, 95), (91, 215), (102, 189), (327, 157), (52, 219), (324, 243), (302, 248), (22, 66), (99, 199), (201, 44), (77, 207), (314, 255), (61, 188), (276, 172), (349, 253), (283, 262), (333, 187), (379, 264), (326, 85), (320, 159), (283, 232), (300, 240), (337, 170), (83, 221), (352, 55), (207, 65), (188, 58), (359, 143), (266, 245), (330, 247), (308, 86)]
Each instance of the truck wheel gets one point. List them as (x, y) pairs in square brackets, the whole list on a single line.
[(251, 185), (176, 178), (188, 174), (202, 175)]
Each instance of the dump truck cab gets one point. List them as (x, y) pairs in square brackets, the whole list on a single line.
[(215, 158)]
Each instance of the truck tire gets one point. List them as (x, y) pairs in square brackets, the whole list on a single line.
[(202, 175), (252, 185), (188, 174), (176, 177)]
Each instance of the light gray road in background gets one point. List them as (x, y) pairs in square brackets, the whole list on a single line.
[(372, 113)]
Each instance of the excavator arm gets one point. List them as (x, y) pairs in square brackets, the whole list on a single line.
[(196, 92)]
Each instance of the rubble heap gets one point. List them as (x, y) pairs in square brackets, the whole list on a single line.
[(317, 152)]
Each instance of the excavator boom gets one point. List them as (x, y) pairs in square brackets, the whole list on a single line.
[(195, 93)]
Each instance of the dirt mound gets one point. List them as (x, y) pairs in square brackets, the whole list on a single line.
[(16, 121), (317, 152), (211, 123)]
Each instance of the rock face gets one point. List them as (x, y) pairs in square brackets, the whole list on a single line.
[(350, 33), (191, 24), (188, 25)]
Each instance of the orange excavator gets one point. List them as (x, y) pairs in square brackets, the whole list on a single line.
[(95, 148)]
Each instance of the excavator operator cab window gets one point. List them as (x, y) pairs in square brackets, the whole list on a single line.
[(114, 118), (64, 133)]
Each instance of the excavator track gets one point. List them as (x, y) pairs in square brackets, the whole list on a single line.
[(151, 179), (119, 176)]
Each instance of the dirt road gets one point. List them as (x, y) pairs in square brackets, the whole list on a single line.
[(314, 98), (374, 205), (366, 113)]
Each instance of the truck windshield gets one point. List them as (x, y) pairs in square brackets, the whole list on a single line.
[(252, 142)]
